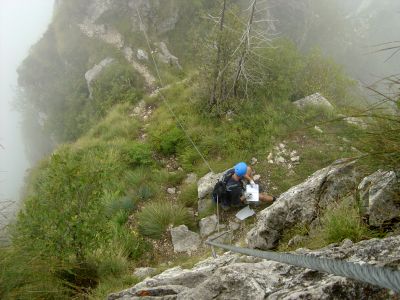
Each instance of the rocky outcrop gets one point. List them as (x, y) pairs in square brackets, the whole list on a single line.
[(301, 203), (314, 100), (231, 276), (94, 72), (144, 272), (166, 57), (380, 197), (184, 240)]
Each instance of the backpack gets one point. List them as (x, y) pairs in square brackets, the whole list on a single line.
[(219, 192)]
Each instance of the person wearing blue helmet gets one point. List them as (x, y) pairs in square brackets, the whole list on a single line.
[(235, 187)]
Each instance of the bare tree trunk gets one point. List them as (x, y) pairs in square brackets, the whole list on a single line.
[(213, 98), (246, 48)]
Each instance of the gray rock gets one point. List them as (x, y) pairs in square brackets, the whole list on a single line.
[(234, 225), (380, 197), (208, 225), (253, 161), (142, 55), (314, 100), (257, 177), (184, 240), (299, 205), (231, 276), (144, 272), (94, 72), (295, 158), (171, 191), (318, 129), (206, 184), (166, 57)]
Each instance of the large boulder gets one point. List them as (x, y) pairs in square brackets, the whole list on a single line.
[(205, 186), (301, 203), (380, 197), (314, 100), (184, 240), (208, 225), (231, 276)]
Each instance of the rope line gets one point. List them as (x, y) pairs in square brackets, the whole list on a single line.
[(163, 97), (380, 276)]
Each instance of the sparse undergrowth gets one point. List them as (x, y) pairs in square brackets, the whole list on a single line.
[(341, 220)]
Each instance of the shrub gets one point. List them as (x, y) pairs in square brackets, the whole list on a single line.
[(166, 140), (155, 218), (138, 154)]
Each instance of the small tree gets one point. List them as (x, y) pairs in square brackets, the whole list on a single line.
[(235, 67)]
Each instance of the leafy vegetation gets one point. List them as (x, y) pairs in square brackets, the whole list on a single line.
[(93, 207)]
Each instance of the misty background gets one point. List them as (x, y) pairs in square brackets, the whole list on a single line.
[(22, 23)]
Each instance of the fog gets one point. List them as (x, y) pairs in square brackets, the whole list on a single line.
[(22, 22)]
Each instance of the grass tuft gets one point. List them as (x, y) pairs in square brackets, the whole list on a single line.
[(156, 217)]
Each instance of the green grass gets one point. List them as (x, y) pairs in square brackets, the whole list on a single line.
[(156, 217), (188, 196), (341, 220)]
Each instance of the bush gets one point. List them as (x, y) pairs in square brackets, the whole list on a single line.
[(155, 218), (167, 140), (138, 154)]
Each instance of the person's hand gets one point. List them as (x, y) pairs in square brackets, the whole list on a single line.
[(252, 183)]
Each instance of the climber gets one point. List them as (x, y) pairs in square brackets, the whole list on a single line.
[(231, 190)]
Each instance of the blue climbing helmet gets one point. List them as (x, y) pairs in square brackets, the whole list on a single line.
[(240, 169)]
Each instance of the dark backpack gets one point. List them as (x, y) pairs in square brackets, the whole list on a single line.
[(219, 192)]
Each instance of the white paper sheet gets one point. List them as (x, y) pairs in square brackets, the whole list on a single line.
[(245, 213), (253, 191)]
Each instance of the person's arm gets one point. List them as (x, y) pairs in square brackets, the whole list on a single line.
[(247, 176)]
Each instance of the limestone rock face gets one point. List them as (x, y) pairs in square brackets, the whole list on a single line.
[(166, 57), (231, 276), (313, 100), (94, 72), (299, 205), (144, 272), (380, 197), (184, 240)]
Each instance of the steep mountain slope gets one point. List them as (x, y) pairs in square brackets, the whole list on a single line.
[(124, 171)]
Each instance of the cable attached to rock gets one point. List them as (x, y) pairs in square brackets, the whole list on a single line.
[(380, 276)]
